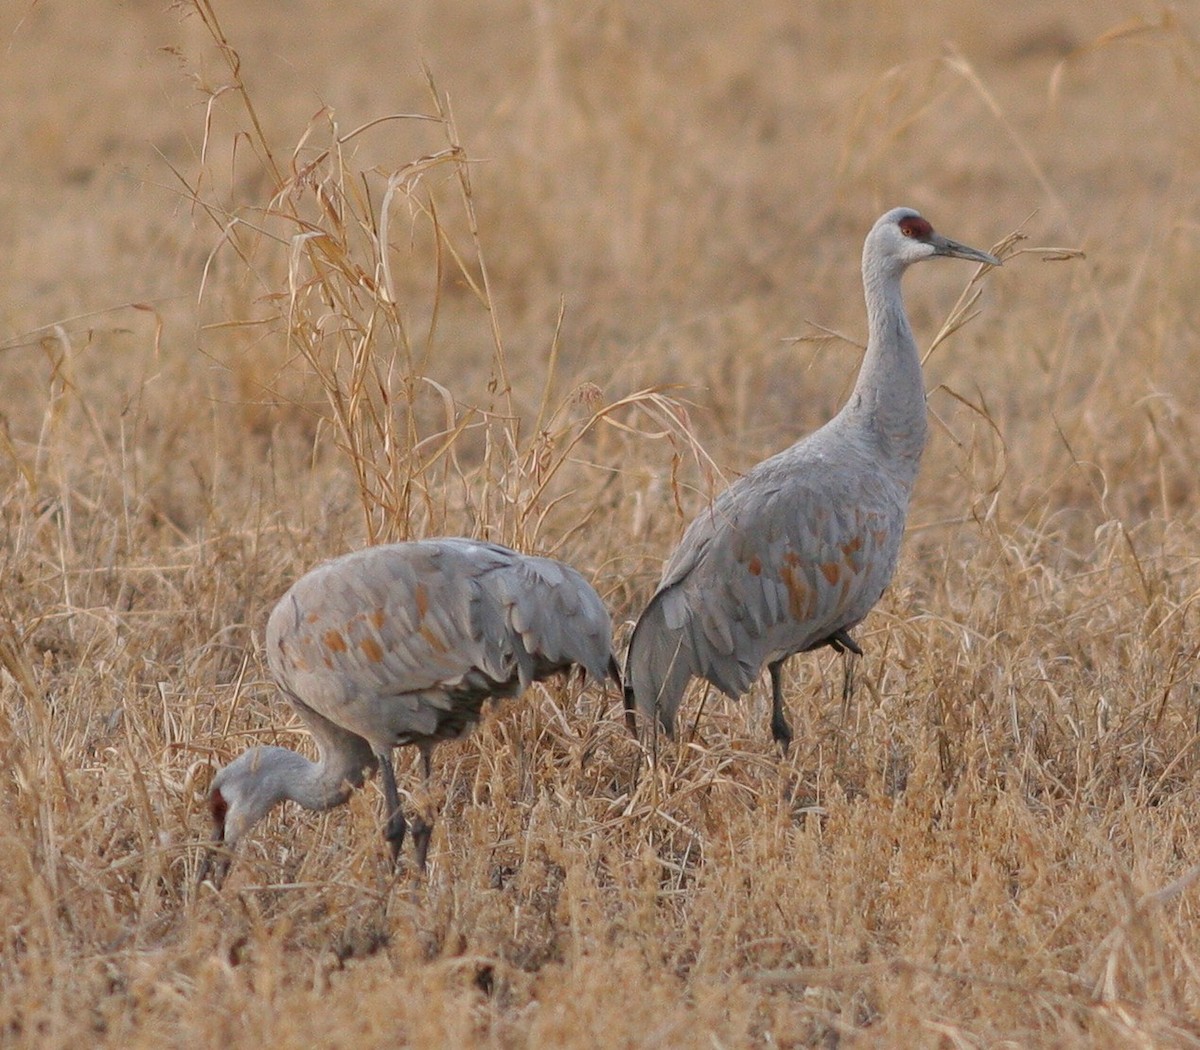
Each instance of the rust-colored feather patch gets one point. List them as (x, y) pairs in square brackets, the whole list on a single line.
[(798, 592), (851, 554), (436, 643)]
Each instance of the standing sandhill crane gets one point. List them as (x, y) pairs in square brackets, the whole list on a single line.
[(402, 644), (793, 555)]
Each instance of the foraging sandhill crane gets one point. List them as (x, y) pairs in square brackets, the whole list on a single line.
[(794, 554), (402, 644)]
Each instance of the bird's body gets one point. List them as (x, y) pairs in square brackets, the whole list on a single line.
[(402, 644), (793, 555)]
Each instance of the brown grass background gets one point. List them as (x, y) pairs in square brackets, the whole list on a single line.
[(620, 265)]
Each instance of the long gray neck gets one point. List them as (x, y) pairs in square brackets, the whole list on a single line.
[(888, 401)]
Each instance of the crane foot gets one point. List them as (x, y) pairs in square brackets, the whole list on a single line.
[(781, 731)]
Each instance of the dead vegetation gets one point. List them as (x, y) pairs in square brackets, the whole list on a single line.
[(276, 288)]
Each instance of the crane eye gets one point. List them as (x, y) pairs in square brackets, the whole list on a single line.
[(915, 227)]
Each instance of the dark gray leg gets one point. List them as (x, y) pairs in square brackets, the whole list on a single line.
[(422, 831), (843, 643), (780, 730), (395, 826)]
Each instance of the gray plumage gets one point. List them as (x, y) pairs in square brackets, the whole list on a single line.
[(402, 644), (794, 554)]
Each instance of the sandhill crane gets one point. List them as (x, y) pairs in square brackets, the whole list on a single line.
[(402, 644), (795, 553)]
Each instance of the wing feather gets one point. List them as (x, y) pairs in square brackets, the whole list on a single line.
[(554, 613)]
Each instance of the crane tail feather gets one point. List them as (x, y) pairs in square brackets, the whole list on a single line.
[(657, 669)]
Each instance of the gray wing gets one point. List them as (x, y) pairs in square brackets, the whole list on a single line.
[(782, 559), (378, 640), (393, 640), (555, 615)]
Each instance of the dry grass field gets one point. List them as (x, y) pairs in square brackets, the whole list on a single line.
[(327, 274)]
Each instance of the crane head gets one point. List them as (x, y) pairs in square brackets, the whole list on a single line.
[(241, 794), (215, 862), (903, 236)]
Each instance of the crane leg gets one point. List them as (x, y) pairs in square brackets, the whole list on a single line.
[(422, 830), (841, 642), (780, 730), (395, 825)]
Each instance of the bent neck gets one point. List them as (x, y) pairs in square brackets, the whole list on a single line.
[(286, 775)]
